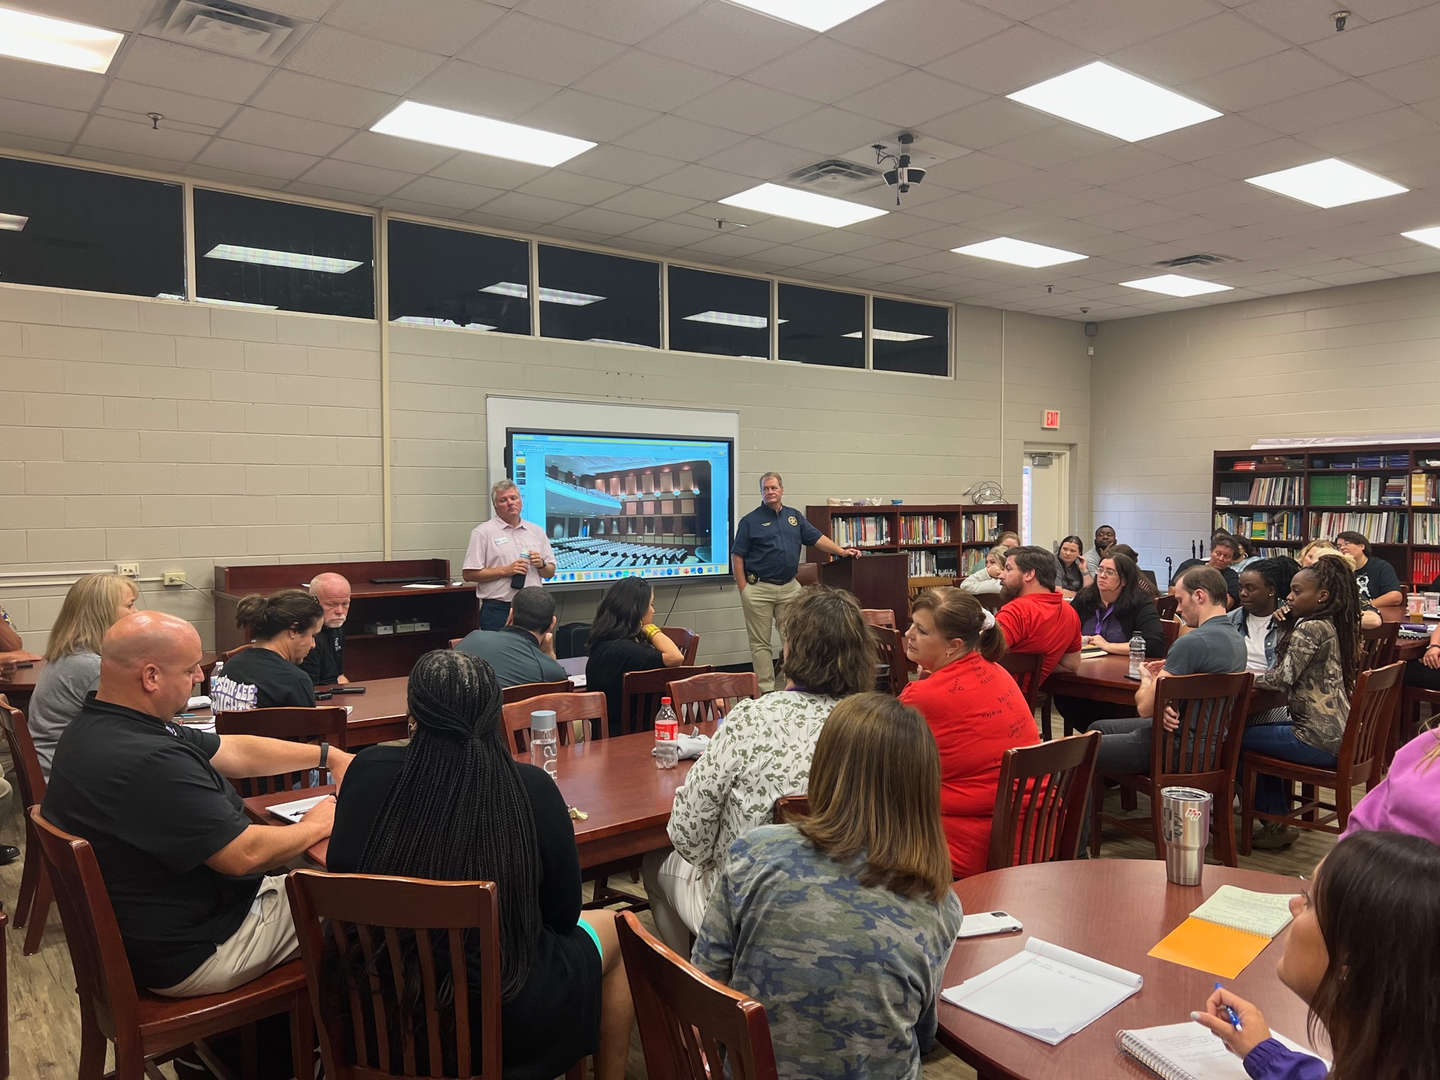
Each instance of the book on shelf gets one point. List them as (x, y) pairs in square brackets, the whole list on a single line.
[(1423, 489), (979, 527), (1383, 528), (931, 564), (924, 529), (1424, 567), (1425, 529), (860, 530), (1187, 1051), (973, 559)]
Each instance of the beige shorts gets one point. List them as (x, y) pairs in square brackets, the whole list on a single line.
[(266, 939)]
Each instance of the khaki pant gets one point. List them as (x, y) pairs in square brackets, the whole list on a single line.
[(763, 605), (266, 939)]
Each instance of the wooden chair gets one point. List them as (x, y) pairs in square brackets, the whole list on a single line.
[(1171, 627), (687, 641), (578, 717), (878, 616), (1040, 801), (890, 654), (788, 807), (455, 641), (641, 691), (1024, 668), (702, 698), (355, 997), (1373, 707), (1165, 605), (521, 691), (228, 653), (1201, 753), (1377, 645), (990, 601), (33, 903), (691, 1027), (4, 1002), (324, 723), (145, 1027)]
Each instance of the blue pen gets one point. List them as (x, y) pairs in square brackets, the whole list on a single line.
[(1231, 1013)]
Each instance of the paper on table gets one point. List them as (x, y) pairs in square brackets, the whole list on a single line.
[(1045, 991), (294, 811), (1242, 909), (1188, 1051), (421, 585), (200, 702), (1206, 946)]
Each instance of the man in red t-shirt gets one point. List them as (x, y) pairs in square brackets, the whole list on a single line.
[(1034, 617)]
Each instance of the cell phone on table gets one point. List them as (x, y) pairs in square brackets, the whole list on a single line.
[(989, 922), (347, 688)]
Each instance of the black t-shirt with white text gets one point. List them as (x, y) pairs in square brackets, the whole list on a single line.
[(326, 662), (256, 678), (1376, 578)]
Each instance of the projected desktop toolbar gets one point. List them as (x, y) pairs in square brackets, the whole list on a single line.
[(690, 570)]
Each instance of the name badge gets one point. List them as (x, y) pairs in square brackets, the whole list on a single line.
[(501, 540)]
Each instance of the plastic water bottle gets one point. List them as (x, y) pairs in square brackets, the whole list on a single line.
[(1137, 654), (667, 727), (544, 742)]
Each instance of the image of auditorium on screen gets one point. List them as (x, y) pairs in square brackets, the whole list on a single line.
[(615, 505)]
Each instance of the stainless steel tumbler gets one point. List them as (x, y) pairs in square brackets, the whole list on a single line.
[(1185, 822)]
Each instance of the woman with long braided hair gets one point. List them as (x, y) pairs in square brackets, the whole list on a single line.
[(454, 805), (1316, 664)]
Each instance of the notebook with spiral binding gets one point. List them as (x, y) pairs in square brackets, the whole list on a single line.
[(1187, 1051)]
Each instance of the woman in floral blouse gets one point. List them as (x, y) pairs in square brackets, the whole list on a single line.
[(760, 752)]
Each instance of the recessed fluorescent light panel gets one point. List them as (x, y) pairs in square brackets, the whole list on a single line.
[(1429, 236), (13, 222), (818, 15), (730, 318), (802, 206), (479, 134), (57, 41), (1176, 285), (1328, 182), (427, 320), (1113, 101), (547, 296), (889, 335), (290, 260), (1007, 249)]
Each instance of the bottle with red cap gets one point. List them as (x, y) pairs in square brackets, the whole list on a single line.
[(667, 727)]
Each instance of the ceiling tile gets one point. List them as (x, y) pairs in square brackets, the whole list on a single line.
[(916, 32), (193, 71), (515, 41), (894, 226), (60, 88), (1104, 25), (602, 222), (530, 208), (762, 159), (978, 170), (58, 125), (257, 160), (1091, 200), (745, 106), (437, 26), (1199, 49), (392, 152), (1274, 78), (1380, 45), (1013, 58), (1113, 165), (831, 131), (728, 38), (825, 70), (722, 245), (1409, 82), (349, 175), (677, 137), (431, 189), (989, 123), (668, 234), (1300, 23), (958, 208), (334, 194), (1394, 125), (701, 182), (319, 99), (1341, 101), (586, 116), (285, 132), (654, 82), (622, 166), (628, 21), (472, 89), (1171, 181), (1209, 138), (1055, 145), (137, 99), (360, 61), (643, 202), (573, 188), (139, 138), (910, 99), (488, 171)]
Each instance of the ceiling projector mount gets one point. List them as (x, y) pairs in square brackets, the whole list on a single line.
[(901, 174)]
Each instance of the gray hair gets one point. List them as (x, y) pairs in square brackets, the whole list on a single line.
[(501, 485), (766, 476)]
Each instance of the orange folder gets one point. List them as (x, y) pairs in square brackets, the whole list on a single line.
[(1207, 946)]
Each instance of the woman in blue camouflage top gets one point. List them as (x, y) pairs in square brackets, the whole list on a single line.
[(841, 924)]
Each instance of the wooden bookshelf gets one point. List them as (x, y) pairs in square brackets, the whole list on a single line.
[(940, 539), (1388, 491)]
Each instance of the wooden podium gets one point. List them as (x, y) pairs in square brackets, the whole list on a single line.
[(878, 581)]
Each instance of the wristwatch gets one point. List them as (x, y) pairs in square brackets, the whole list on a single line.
[(324, 753)]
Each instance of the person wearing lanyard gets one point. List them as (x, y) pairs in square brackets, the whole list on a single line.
[(505, 555), (764, 559)]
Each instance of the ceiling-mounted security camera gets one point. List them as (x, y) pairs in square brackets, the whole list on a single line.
[(903, 174), (1341, 18)]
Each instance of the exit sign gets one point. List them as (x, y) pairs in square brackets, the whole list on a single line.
[(1051, 420)]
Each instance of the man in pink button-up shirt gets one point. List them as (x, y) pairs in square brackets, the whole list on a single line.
[(505, 555)]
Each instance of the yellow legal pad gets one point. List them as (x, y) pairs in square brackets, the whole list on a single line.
[(1207, 946)]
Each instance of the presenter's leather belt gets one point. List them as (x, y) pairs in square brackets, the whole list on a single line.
[(777, 581)]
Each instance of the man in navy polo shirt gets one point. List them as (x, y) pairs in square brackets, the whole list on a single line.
[(764, 559)]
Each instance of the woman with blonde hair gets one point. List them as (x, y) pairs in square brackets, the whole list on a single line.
[(842, 922), (974, 709), (72, 658), (1315, 548)]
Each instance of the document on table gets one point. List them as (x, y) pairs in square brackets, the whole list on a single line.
[(294, 811), (1225, 933), (1188, 1051), (1045, 991), (422, 585)]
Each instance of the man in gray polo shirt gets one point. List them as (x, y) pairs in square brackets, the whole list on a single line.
[(1211, 648), (523, 650)]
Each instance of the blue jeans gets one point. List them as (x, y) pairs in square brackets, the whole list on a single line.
[(1278, 740), (493, 614)]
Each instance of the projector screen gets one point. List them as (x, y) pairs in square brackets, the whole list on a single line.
[(619, 491)]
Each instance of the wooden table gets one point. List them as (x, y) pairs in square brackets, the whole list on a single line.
[(376, 716), (614, 780), (1114, 910), (17, 683)]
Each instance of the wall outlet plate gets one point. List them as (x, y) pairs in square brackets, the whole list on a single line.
[(175, 577), (128, 569)]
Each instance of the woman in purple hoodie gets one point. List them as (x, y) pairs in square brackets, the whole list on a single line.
[(1408, 799), (1364, 953)]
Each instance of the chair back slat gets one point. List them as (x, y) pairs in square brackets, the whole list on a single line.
[(1204, 750), (325, 723), (890, 651), (29, 777), (524, 691), (403, 927), (1040, 801), (878, 616), (641, 691), (1024, 668), (1165, 606), (691, 1027), (578, 717), (1171, 630), (1374, 706), (1377, 645), (703, 698), (687, 641)]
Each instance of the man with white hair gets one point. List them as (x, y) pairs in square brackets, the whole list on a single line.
[(325, 663), (183, 864), (505, 555)]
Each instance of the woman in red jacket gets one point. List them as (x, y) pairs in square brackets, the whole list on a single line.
[(975, 711)]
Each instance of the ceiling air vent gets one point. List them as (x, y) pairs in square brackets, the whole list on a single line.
[(234, 29), (834, 174), (1202, 258)]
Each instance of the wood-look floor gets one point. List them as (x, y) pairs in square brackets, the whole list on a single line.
[(44, 1020)]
